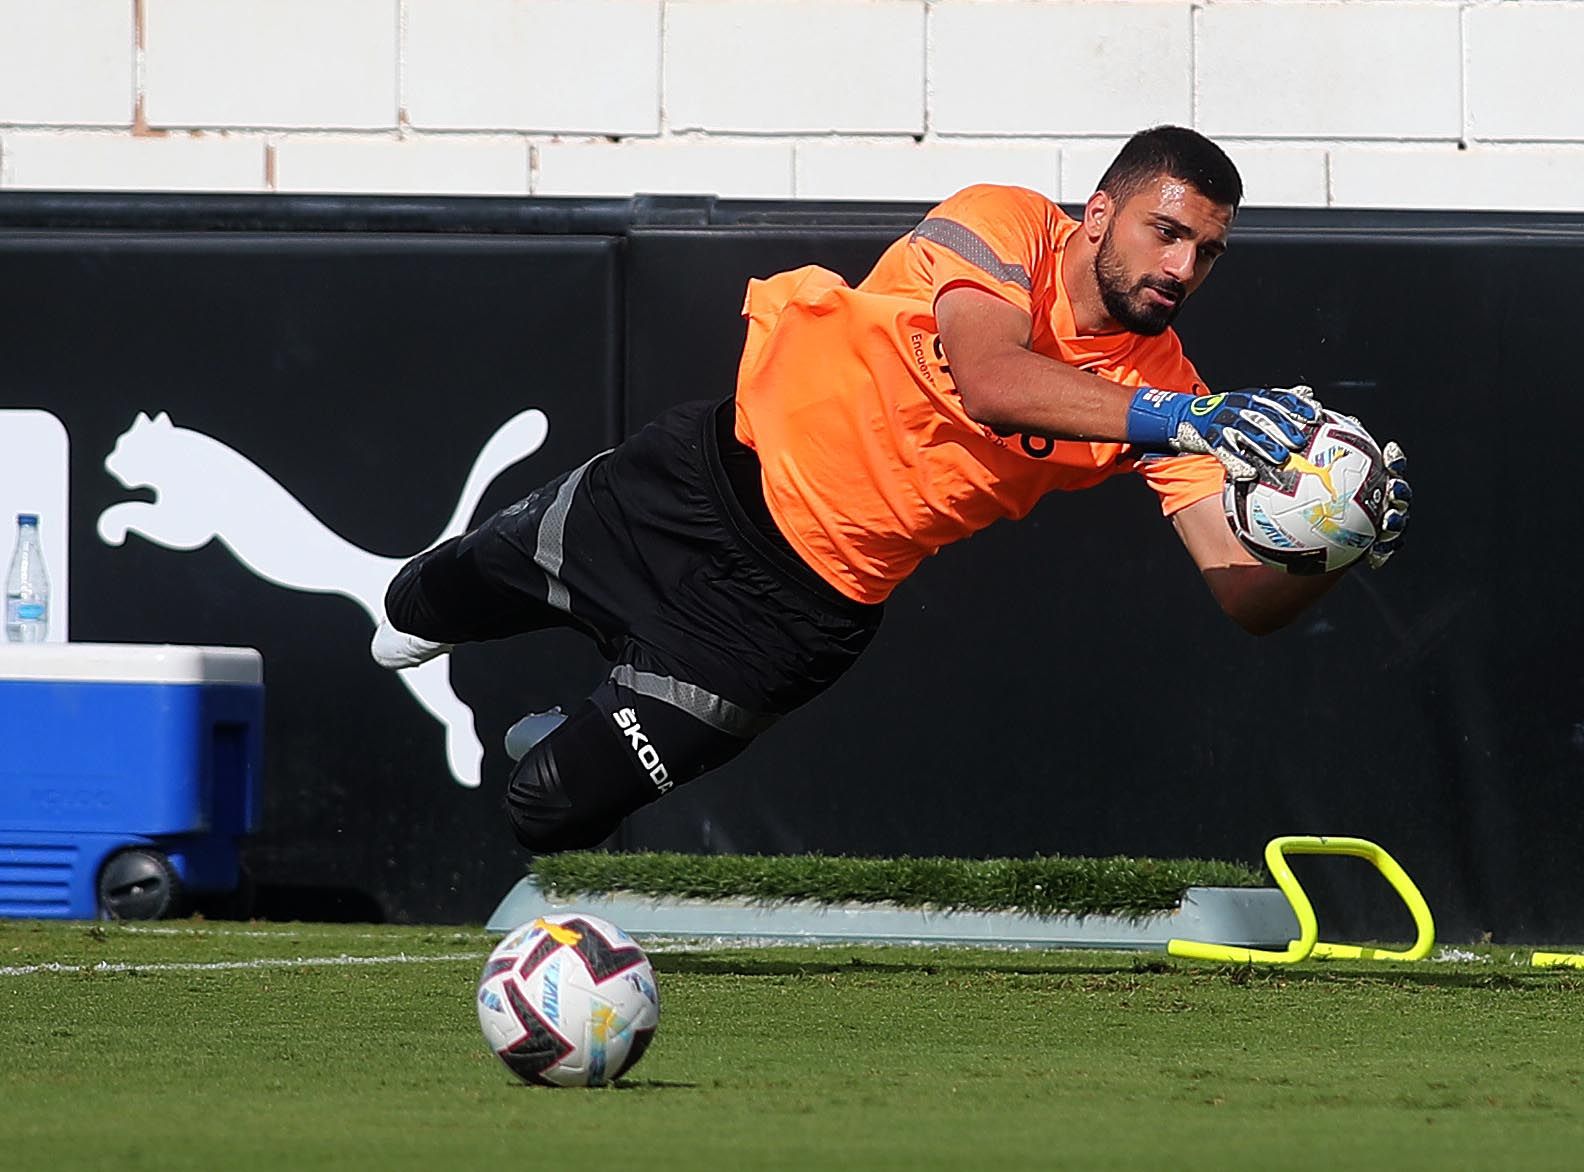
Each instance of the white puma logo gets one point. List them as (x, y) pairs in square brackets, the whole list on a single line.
[(205, 490)]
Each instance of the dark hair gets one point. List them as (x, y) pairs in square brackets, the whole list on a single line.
[(1180, 153)]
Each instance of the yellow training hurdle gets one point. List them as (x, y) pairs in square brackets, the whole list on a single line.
[(1557, 960), (1308, 942)]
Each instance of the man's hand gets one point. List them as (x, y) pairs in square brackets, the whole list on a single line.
[(1239, 428), (1394, 508)]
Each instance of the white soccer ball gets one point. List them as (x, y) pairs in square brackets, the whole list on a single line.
[(568, 1000), (1316, 513)]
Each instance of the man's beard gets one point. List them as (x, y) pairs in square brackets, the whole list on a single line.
[(1124, 299)]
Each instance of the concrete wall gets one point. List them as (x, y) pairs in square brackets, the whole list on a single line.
[(1359, 103)]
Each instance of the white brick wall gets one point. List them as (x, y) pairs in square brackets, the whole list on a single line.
[(85, 161), (1523, 71), (1037, 68), (589, 66), (437, 165), (922, 171), (67, 62), (307, 63), (776, 66), (1330, 70), (730, 169), (1517, 178), (1433, 103)]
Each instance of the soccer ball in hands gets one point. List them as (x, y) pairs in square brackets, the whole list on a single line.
[(568, 1000), (1318, 511)]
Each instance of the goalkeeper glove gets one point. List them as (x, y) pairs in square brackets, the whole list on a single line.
[(1236, 427), (1394, 508)]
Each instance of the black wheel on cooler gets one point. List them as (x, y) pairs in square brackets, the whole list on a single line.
[(140, 883)]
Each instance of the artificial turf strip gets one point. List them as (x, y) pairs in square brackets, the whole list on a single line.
[(835, 1058), (1043, 886)]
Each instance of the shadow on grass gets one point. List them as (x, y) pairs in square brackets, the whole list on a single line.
[(1497, 976), (1390, 974), (620, 1084), (749, 965)]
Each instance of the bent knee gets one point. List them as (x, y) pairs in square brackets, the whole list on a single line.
[(544, 823), (572, 789), (617, 752)]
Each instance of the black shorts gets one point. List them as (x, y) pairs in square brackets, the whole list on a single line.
[(663, 551)]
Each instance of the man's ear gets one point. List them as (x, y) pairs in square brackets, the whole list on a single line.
[(1097, 214)]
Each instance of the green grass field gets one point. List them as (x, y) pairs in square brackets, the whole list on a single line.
[(295, 1058)]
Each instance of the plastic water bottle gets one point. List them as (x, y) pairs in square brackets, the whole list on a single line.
[(27, 586)]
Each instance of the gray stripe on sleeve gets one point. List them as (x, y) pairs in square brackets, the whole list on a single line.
[(705, 706), (972, 248), (550, 552)]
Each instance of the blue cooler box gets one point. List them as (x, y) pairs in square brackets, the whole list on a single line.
[(128, 775)]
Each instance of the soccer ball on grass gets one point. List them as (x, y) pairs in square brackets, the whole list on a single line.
[(568, 1000)]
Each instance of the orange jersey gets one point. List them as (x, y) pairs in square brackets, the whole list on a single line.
[(870, 464)]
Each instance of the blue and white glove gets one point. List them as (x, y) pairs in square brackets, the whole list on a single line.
[(1394, 508), (1239, 428)]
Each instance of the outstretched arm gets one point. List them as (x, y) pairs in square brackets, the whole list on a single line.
[(1259, 598), (1008, 387)]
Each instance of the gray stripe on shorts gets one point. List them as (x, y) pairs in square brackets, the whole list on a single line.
[(969, 245), (719, 713), (550, 552)]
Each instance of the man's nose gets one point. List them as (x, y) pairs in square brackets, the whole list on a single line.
[(1179, 261)]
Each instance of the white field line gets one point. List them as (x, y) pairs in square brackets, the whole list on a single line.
[(282, 962), (265, 934)]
